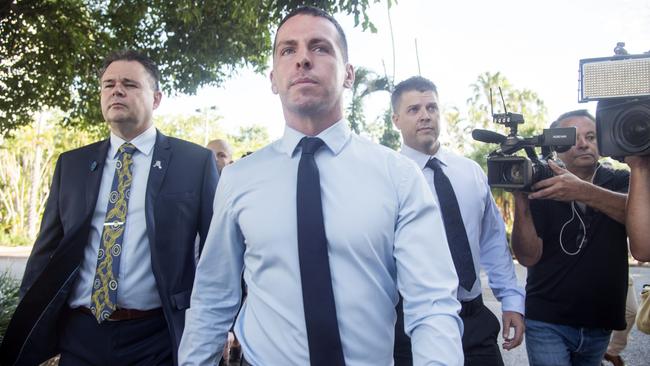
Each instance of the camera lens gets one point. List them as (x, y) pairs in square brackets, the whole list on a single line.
[(541, 171), (514, 173), (633, 130)]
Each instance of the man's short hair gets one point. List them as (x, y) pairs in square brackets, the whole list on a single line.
[(132, 55), (571, 114), (417, 83), (316, 12)]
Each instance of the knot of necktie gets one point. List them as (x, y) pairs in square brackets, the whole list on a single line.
[(310, 144), (434, 164), (126, 148)]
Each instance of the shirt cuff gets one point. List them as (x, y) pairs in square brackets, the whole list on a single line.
[(514, 303)]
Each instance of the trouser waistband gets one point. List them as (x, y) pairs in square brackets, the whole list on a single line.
[(471, 306)]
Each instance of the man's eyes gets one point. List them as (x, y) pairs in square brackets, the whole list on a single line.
[(321, 49), (126, 85), (287, 51), (316, 49)]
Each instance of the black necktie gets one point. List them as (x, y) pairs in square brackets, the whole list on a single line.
[(454, 227), (317, 294)]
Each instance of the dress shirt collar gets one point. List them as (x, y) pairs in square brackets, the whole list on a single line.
[(421, 158), (335, 138), (144, 142)]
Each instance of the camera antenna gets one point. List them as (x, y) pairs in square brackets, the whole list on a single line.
[(491, 103), (505, 108)]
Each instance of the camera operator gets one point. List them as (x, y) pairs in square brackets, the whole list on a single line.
[(637, 215), (570, 233)]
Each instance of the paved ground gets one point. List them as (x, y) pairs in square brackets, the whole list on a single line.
[(637, 352)]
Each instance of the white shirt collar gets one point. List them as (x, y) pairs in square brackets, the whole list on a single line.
[(144, 142), (335, 138), (421, 158)]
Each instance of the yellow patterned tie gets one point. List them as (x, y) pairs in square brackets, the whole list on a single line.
[(104, 295)]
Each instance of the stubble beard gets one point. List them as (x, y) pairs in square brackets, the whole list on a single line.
[(310, 106), (430, 143)]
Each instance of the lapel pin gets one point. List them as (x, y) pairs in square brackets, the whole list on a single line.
[(93, 166), (158, 164)]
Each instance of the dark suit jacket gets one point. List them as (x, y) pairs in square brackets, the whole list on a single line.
[(178, 206)]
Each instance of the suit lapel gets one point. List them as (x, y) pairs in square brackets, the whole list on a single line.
[(96, 163), (162, 153)]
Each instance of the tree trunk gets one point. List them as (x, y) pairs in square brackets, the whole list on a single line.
[(35, 184)]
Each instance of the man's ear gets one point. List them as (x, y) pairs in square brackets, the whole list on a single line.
[(274, 88), (157, 97), (349, 76), (395, 119)]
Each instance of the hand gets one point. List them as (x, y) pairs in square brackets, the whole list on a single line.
[(564, 186), (512, 319), (520, 196), (226, 347), (638, 162)]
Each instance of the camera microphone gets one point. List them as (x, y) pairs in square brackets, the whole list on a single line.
[(487, 136)]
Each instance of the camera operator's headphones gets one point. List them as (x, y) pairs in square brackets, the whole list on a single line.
[(575, 213)]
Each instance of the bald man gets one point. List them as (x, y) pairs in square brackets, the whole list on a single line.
[(222, 152)]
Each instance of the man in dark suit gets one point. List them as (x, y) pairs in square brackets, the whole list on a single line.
[(111, 272)]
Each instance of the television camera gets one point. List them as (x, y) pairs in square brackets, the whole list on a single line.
[(621, 85), (513, 172)]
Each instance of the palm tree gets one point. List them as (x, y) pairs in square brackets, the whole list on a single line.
[(365, 83), (523, 101)]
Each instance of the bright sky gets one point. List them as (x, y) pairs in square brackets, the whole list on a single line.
[(534, 44)]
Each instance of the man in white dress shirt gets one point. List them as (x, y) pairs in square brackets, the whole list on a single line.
[(416, 113), (382, 233)]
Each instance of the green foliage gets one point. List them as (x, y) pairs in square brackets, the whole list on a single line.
[(390, 137), (202, 129), (479, 115), (50, 50), (9, 288), (199, 129), (27, 159), (249, 139), (459, 129), (9, 239), (366, 82)]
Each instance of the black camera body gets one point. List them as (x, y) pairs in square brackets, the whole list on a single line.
[(621, 85), (518, 173), (512, 172), (623, 127)]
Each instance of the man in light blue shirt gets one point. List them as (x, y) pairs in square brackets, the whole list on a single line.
[(383, 231), (416, 114)]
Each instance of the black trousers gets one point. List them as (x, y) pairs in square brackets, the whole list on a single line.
[(143, 341), (480, 346)]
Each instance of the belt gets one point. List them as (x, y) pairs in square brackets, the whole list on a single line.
[(471, 306), (125, 314)]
